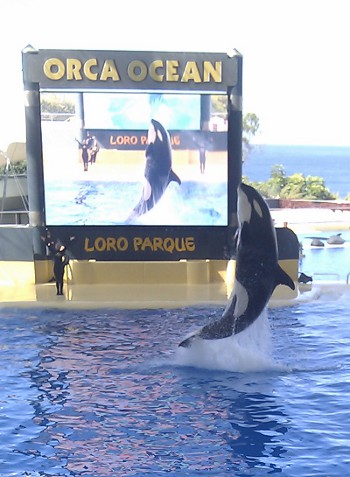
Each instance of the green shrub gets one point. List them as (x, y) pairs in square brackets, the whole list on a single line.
[(296, 186)]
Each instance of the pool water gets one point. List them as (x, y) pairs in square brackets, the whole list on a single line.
[(110, 203), (330, 262), (108, 393)]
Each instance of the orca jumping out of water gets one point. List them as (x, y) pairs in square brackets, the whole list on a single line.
[(257, 270), (158, 169)]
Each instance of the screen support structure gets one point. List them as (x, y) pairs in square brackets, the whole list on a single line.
[(234, 138), (35, 175), (49, 70)]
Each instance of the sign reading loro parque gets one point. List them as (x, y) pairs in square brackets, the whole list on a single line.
[(136, 154)]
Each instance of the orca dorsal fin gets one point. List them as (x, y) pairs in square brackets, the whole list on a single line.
[(174, 177), (282, 278)]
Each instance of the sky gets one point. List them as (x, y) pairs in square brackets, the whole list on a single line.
[(296, 62)]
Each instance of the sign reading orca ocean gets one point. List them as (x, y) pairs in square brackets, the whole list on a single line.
[(135, 141)]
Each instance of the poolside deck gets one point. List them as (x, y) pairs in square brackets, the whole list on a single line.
[(114, 296), (165, 295), (152, 296)]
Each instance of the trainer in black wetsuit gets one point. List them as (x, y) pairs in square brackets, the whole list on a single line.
[(84, 153), (60, 260)]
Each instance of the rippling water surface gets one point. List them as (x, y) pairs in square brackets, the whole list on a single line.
[(110, 203), (329, 262), (107, 393)]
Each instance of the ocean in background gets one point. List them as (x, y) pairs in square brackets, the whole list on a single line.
[(330, 163)]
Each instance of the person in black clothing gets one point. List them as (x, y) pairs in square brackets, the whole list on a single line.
[(202, 158), (84, 153), (60, 260), (51, 247), (202, 144), (93, 149)]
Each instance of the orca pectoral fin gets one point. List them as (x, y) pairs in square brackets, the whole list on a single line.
[(174, 177), (187, 342), (282, 278)]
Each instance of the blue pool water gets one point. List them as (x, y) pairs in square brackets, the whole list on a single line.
[(108, 393), (110, 203), (330, 262)]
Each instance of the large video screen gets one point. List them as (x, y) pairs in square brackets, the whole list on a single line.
[(114, 158), (134, 111)]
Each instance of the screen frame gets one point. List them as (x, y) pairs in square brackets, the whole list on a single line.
[(101, 242)]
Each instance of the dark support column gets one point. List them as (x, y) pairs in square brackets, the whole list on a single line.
[(35, 176), (234, 140), (79, 112), (205, 112)]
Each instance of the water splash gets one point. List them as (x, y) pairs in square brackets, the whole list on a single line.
[(249, 351)]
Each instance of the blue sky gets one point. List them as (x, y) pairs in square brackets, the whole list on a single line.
[(296, 68)]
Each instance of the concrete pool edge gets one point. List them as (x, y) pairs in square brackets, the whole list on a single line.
[(152, 296), (124, 284), (114, 296)]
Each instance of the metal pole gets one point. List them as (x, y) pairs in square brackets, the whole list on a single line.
[(80, 114), (35, 175), (205, 112), (234, 140), (4, 192)]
